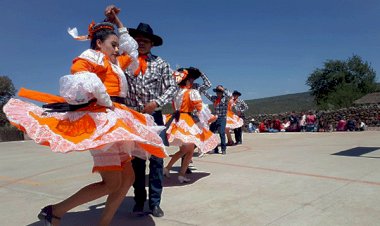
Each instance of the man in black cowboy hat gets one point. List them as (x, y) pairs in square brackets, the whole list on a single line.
[(240, 107), (149, 88), (220, 102)]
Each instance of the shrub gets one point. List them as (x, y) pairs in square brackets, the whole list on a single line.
[(10, 133)]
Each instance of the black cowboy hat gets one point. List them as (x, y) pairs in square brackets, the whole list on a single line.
[(146, 30), (236, 93), (217, 89), (193, 72)]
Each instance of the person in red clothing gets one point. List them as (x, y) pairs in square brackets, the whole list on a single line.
[(277, 125), (310, 122), (341, 124), (262, 128)]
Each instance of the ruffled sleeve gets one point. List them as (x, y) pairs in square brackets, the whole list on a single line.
[(196, 100), (128, 46), (83, 84), (83, 87), (205, 115)]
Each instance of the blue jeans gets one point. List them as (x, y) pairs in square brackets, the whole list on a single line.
[(155, 175), (220, 126)]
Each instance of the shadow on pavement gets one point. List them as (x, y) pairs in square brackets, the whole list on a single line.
[(358, 152), (91, 216), (173, 181)]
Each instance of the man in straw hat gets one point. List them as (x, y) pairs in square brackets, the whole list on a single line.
[(252, 126), (149, 88)]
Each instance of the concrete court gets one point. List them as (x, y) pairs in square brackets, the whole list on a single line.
[(272, 179)]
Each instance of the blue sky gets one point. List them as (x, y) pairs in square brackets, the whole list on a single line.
[(261, 48)]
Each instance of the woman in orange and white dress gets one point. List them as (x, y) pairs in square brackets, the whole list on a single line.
[(188, 129), (89, 115), (233, 120)]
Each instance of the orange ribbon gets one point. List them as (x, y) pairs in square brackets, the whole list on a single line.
[(142, 65), (92, 31)]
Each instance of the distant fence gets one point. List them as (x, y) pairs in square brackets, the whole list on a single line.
[(10, 133)]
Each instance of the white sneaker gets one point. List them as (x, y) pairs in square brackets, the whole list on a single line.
[(182, 179), (166, 172), (201, 154)]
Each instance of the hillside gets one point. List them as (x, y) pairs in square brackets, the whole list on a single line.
[(284, 103), (277, 104)]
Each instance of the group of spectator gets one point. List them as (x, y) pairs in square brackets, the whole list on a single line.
[(303, 122)]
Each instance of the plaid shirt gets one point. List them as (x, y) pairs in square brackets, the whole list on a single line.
[(221, 109), (205, 86), (157, 84), (241, 106)]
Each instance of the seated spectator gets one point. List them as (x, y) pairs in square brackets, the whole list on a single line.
[(262, 128), (284, 125), (330, 128), (351, 124), (310, 122), (341, 124), (361, 125), (294, 126), (322, 125), (303, 122), (252, 126), (268, 124), (276, 125)]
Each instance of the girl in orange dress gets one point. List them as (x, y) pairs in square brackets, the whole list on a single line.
[(188, 129), (233, 121), (90, 115)]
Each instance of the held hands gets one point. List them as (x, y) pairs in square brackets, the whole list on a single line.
[(111, 12), (150, 107), (220, 88), (112, 107)]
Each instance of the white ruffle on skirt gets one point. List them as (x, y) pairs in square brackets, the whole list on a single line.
[(123, 129), (186, 131), (234, 121)]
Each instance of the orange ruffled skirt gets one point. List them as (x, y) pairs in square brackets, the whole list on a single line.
[(186, 130), (233, 121), (95, 128)]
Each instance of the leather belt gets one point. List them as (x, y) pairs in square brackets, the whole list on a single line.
[(120, 100)]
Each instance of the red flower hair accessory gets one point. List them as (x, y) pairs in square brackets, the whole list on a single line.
[(179, 76)]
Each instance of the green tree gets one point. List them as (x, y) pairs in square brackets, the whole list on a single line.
[(7, 90), (339, 83)]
